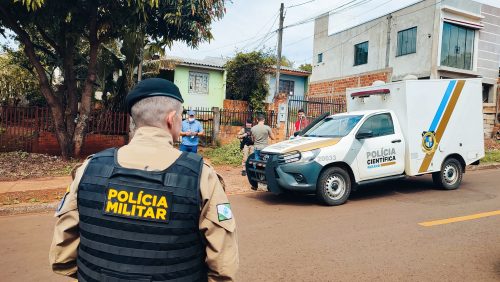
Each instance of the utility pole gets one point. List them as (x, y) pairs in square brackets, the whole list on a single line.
[(280, 39), (388, 47)]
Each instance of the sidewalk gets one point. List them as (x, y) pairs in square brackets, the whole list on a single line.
[(35, 184)]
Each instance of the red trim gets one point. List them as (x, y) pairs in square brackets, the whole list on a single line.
[(370, 92), (465, 23)]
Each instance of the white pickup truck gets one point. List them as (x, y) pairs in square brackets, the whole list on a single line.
[(390, 131)]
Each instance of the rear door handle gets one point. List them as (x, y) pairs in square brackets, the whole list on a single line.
[(396, 141)]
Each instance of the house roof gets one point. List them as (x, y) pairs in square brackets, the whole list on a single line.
[(206, 63), (216, 63), (292, 71)]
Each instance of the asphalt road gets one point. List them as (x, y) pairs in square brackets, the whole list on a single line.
[(376, 236)]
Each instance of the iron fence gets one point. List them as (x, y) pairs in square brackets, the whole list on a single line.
[(239, 118), (312, 107), (206, 117), (20, 127)]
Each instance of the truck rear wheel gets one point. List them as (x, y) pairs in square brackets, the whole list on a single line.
[(450, 176), (334, 186)]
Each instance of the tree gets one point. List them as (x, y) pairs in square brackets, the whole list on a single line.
[(16, 82), (306, 67), (247, 78), (73, 32), (285, 62)]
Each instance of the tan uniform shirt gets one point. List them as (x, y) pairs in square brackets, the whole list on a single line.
[(152, 149)]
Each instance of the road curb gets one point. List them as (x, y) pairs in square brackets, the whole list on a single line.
[(27, 208), (51, 207), (483, 167)]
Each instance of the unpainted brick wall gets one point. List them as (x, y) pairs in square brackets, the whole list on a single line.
[(46, 143), (337, 87), (229, 134)]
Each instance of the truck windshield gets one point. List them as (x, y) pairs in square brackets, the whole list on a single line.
[(334, 126)]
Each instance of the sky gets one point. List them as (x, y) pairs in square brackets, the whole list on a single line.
[(247, 22), (251, 24)]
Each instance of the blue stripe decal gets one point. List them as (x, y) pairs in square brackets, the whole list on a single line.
[(440, 110)]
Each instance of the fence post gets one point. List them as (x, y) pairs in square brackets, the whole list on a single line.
[(216, 124)]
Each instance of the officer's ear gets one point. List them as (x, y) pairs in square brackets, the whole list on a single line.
[(170, 119)]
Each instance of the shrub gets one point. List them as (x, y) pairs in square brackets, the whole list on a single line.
[(229, 154)]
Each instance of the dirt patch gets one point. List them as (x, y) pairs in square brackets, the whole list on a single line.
[(22, 165), (31, 197), (235, 182), (491, 144)]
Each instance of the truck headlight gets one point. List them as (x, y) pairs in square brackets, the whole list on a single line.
[(290, 157), (309, 155), (299, 156)]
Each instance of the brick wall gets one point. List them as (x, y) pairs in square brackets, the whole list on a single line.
[(46, 143), (337, 87), (228, 134), (235, 105)]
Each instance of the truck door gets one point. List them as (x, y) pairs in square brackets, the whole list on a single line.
[(382, 148)]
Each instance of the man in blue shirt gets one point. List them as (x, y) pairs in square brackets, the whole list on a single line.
[(191, 130)]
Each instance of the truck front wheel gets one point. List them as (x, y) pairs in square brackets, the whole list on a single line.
[(334, 186), (450, 176)]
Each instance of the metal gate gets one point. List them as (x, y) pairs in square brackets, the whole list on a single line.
[(313, 107)]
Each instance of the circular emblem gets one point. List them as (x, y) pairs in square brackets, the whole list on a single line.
[(429, 143), (265, 157)]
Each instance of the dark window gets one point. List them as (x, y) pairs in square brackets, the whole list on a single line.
[(486, 92), (407, 41), (361, 53), (320, 58), (457, 46), (287, 86), (380, 125)]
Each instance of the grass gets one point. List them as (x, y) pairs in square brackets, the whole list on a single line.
[(492, 156), (229, 154)]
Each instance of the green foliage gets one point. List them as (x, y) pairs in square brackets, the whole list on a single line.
[(306, 67), (285, 62), (229, 154), (72, 36), (492, 156), (16, 82), (246, 78)]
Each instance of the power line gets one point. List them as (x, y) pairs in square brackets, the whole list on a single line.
[(334, 10), (332, 47), (316, 33), (265, 35), (297, 5)]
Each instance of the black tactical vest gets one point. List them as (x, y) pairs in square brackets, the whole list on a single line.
[(138, 225)]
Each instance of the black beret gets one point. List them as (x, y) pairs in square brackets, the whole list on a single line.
[(152, 87)]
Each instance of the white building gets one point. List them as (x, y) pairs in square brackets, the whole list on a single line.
[(429, 39)]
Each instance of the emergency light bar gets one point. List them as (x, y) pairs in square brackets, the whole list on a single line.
[(368, 93)]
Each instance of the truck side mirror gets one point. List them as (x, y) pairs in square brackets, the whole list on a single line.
[(296, 133), (364, 133)]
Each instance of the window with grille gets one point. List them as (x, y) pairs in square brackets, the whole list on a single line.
[(198, 82), (287, 86), (407, 41)]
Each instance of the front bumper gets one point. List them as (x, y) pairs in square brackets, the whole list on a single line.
[(298, 176)]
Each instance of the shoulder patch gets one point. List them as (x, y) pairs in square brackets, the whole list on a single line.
[(224, 212)]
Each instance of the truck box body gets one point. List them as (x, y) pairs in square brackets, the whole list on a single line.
[(438, 118)]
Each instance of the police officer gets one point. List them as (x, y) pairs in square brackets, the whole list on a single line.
[(146, 211)]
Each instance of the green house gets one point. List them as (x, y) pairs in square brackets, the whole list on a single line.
[(202, 82)]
